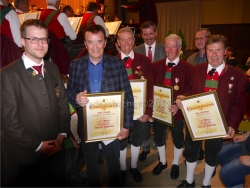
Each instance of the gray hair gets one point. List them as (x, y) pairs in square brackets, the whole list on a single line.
[(175, 37), (205, 29), (51, 2), (125, 30)]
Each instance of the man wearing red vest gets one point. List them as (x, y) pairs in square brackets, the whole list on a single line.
[(230, 85), (22, 6), (171, 71), (91, 17), (56, 21), (138, 67), (9, 23)]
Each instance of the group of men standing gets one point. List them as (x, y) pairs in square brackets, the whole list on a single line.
[(35, 115)]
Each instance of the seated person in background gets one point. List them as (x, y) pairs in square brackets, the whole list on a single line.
[(131, 21), (10, 24), (248, 62), (67, 9), (234, 158), (57, 22), (248, 95), (22, 6), (230, 57), (91, 17), (117, 18), (115, 49)]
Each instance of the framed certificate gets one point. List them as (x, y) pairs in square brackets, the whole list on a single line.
[(163, 98), (139, 89), (103, 116), (204, 116)]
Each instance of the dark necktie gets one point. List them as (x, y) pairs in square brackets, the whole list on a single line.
[(211, 72), (38, 68), (126, 58), (150, 53), (170, 64)]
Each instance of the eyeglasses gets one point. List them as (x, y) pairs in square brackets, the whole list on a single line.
[(201, 38), (36, 40)]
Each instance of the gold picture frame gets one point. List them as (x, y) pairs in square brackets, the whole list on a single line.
[(163, 99), (204, 116), (103, 116), (139, 89)]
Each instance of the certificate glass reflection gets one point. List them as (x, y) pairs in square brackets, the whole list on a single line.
[(139, 92), (103, 116), (204, 116), (163, 98)]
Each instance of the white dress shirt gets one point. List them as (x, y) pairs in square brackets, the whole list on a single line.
[(14, 22), (64, 21)]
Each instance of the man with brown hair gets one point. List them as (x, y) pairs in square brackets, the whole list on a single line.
[(35, 115), (230, 85)]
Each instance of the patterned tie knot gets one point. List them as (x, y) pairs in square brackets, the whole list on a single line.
[(38, 69), (126, 58), (211, 72), (149, 47), (170, 64)]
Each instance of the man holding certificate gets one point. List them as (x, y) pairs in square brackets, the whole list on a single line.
[(171, 71), (97, 73), (138, 67), (230, 85)]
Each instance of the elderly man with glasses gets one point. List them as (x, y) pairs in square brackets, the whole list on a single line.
[(200, 40)]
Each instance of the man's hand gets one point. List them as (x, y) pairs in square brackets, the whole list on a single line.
[(239, 138), (59, 139), (144, 118), (244, 160), (49, 147), (230, 133), (178, 101), (174, 109), (75, 144), (81, 99), (124, 6), (122, 134)]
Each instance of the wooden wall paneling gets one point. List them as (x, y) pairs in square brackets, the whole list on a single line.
[(238, 36)]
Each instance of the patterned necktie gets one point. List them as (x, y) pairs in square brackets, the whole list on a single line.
[(150, 53), (211, 72), (126, 58), (170, 64), (38, 69)]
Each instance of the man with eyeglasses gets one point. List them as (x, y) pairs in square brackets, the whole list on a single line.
[(35, 116), (198, 58), (138, 67), (200, 40)]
